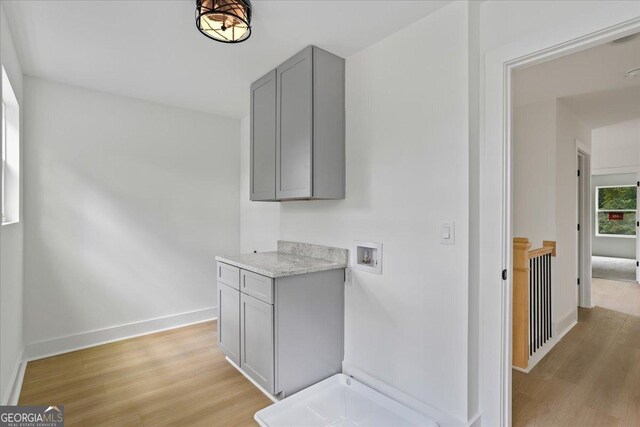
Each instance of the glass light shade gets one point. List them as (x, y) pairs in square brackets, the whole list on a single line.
[(227, 21)]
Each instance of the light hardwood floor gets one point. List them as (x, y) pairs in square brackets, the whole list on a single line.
[(590, 378), (176, 377), (615, 295)]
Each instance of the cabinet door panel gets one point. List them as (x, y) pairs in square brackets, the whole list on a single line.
[(263, 138), (294, 127), (257, 341), (229, 321)]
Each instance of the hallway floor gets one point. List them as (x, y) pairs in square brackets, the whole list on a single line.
[(590, 377), (617, 296)]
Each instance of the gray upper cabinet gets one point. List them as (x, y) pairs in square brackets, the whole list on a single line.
[(263, 138), (298, 136), (294, 124)]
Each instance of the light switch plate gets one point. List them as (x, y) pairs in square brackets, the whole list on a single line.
[(448, 233)]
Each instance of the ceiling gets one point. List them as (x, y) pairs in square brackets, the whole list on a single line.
[(151, 50), (607, 107), (592, 82)]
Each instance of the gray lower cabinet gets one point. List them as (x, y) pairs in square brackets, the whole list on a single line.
[(229, 321), (298, 129), (284, 333), (229, 275), (257, 340), (257, 286)]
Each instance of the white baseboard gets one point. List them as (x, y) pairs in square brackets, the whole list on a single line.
[(17, 384), (564, 325), (475, 421), (273, 398), (443, 419), (11, 394), (55, 346), (568, 328), (546, 348), (538, 355)]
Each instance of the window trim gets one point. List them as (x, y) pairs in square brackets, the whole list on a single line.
[(3, 204), (10, 211), (597, 210)]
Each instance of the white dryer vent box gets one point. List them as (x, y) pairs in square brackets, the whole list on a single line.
[(368, 257)]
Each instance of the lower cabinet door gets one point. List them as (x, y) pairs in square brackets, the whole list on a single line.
[(257, 341), (229, 321)]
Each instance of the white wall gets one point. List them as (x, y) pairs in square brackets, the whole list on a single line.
[(534, 171), (407, 172), (569, 127), (609, 246), (545, 191), (504, 22), (616, 148), (473, 362), (11, 247), (127, 203), (259, 221)]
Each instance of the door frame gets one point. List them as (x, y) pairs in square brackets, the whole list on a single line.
[(637, 228), (617, 20), (586, 226)]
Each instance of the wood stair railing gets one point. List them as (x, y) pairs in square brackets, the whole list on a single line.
[(531, 301)]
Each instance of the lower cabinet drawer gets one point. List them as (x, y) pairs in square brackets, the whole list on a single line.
[(257, 286), (228, 274), (257, 341), (229, 321)]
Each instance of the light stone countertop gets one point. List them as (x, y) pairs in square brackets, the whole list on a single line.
[(290, 259)]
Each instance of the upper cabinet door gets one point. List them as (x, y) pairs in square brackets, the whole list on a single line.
[(294, 129), (263, 138)]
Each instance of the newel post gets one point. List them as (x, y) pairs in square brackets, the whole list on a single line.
[(521, 246)]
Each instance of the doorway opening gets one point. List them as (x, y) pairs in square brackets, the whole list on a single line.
[(584, 216), (615, 242), (569, 115)]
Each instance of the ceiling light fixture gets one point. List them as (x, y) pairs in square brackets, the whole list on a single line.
[(227, 21)]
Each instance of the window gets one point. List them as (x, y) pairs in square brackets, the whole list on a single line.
[(10, 153), (616, 211)]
